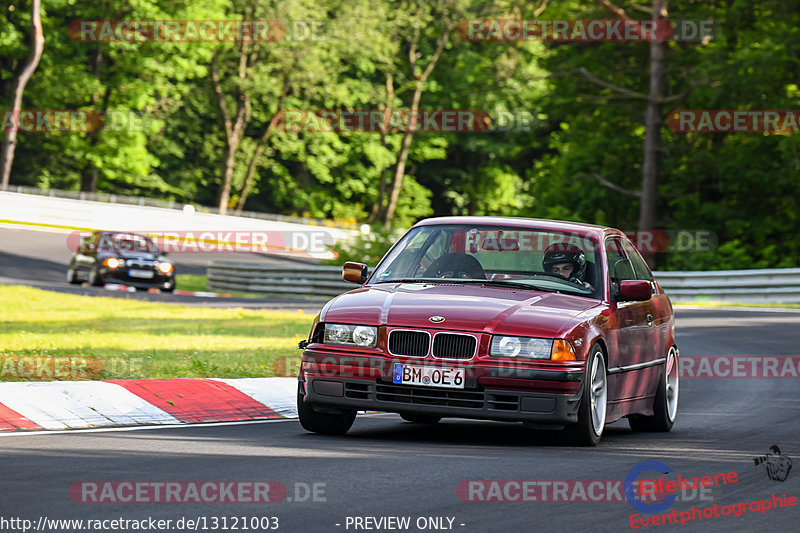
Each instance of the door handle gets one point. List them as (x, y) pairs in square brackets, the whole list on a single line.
[(649, 319)]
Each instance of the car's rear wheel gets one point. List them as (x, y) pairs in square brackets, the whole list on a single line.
[(665, 407), (324, 423), (592, 409), (420, 419)]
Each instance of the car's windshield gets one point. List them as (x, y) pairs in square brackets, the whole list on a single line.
[(126, 242), (501, 255)]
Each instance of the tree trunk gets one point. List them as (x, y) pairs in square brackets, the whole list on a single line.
[(89, 175), (253, 165), (378, 209), (652, 142), (227, 174), (234, 127), (10, 137), (90, 172), (402, 158), (251, 169)]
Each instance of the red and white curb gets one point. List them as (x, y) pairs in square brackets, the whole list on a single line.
[(89, 404)]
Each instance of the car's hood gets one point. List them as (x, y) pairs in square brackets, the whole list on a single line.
[(135, 255), (464, 307)]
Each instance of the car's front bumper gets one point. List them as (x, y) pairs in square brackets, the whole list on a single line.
[(158, 281), (491, 392)]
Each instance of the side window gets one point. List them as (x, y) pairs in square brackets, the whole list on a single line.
[(619, 267), (639, 266), (435, 250)]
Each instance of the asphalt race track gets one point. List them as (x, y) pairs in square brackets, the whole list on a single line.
[(389, 468)]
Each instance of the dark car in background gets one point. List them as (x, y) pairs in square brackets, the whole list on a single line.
[(121, 257), (490, 318)]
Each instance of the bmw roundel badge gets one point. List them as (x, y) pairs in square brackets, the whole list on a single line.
[(436, 319)]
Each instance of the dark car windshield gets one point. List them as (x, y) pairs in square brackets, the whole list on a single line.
[(495, 255), (125, 242)]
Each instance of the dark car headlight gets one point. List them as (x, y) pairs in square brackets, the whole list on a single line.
[(351, 335), (529, 347), (164, 267)]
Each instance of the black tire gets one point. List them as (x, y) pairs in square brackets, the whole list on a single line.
[(170, 287), (660, 420), (72, 276), (95, 279), (420, 419), (323, 423), (583, 433)]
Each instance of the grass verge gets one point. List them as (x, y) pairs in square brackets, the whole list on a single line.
[(198, 283), (47, 335)]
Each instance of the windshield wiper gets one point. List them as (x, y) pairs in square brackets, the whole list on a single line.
[(565, 286), (414, 280), (508, 283)]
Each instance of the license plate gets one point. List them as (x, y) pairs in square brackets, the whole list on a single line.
[(140, 273), (429, 376)]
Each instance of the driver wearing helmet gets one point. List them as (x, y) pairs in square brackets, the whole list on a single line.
[(567, 261)]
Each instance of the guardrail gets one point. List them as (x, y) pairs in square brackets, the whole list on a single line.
[(746, 286), (304, 282), (322, 282)]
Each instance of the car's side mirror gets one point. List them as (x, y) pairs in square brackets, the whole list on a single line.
[(354, 272), (635, 290)]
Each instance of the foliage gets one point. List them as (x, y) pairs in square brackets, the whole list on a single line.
[(367, 248), (742, 187)]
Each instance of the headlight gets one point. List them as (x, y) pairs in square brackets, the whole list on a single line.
[(113, 262), (528, 347), (366, 336), (165, 268)]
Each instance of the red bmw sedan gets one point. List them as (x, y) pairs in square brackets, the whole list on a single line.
[(493, 318)]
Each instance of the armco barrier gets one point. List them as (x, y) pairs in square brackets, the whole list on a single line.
[(748, 286), (322, 282), (302, 282)]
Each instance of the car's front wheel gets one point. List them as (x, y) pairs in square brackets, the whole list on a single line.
[(95, 278), (325, 423), (169, 286), (665, 407), (592, 409)]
